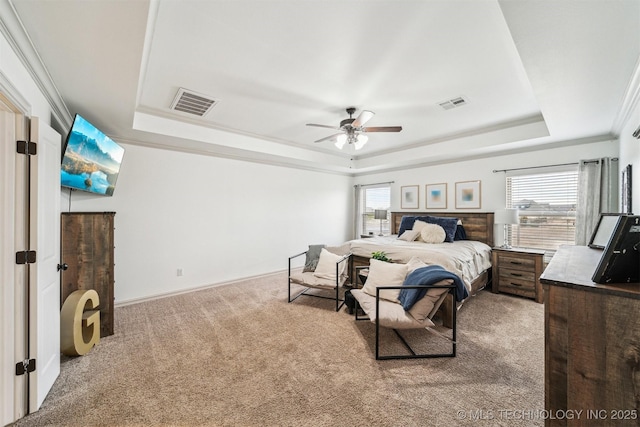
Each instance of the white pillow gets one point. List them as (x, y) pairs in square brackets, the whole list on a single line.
[(419, 225), (432, 233), (415, 263), (326, 268), (409, 235), (391, 315), (426, 306), (383, 274)]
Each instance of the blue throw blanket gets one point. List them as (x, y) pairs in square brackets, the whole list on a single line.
[(429, 275)]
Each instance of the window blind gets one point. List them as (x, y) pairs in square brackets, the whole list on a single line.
[(547, 208), (373, 198)]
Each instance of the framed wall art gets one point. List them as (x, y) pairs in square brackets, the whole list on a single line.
[(410, 197), (468, 195), (436, 196)]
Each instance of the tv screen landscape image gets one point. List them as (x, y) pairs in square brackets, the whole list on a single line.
[(91, 160)]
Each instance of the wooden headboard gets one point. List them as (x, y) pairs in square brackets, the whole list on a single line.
[(478, 225)]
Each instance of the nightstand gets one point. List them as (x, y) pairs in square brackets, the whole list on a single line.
[(517, 271)]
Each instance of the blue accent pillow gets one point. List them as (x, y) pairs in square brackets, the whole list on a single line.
[(449, 224), (406, 223), (461, 234), (452, 230)]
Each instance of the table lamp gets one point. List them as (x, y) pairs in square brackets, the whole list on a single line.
[(380, 214), (506, 217)]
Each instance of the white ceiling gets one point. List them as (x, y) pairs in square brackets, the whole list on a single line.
[(534, 73)]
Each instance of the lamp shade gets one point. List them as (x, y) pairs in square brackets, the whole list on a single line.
[(380, 214), (340, 141), (506, 216), (360, 141)]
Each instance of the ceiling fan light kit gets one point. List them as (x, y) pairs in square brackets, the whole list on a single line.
[(358, 141), (352, 130)]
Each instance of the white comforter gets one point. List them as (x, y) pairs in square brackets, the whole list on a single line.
[(466, 258)]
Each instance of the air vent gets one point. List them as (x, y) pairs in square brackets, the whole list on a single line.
[(453, 103), (193, 103)]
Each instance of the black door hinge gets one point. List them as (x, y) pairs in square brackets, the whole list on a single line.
[(29, 148), (25, 257), (26, 366)]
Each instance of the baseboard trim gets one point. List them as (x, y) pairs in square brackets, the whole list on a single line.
[(192, 289)]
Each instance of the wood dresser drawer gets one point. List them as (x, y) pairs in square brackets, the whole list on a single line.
[(521, 276), (516, 262), (517, 283), (517, 272)]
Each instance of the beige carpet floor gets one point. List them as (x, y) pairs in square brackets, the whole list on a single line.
[(240, 355)]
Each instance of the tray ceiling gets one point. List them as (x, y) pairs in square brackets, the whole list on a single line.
[(532, 73)]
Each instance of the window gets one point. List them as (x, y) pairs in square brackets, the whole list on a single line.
[(547, 208), (374, 198)]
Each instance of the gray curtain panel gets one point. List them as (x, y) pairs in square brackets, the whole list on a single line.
[(597, 193), (357, 220)]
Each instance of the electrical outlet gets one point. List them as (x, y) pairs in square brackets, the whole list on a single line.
[(179, 272)]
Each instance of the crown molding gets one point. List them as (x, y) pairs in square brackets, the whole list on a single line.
[(14, 96), (14, 32), (493, 153), (629, 102), (206, 149), (511, 124)]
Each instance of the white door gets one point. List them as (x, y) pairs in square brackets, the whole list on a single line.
[(44, 324), (11, 389)]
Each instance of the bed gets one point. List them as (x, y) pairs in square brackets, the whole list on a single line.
[(470, 259)]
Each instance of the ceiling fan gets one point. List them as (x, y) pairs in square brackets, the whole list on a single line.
[(353, 130)]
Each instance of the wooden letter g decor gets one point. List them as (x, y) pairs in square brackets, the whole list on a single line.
[(79, 329)]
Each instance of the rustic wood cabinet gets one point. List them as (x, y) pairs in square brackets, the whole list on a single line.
[(87, 250), (592, 343), (517, 271)]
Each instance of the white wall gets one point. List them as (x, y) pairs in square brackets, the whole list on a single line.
[(221, 220), (217, 219), (630, 155), (493, 185)]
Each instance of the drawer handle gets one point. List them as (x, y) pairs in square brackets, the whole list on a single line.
[(515, 262), (515, 284), (516, 274)]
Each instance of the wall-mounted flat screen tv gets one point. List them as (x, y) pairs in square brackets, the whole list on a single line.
[(90, 160)]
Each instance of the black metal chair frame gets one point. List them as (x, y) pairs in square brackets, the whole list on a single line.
[(339, 301), (413, 355)]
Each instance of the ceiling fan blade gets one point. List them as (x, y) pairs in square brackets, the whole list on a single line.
[(363, 118), (382, 129), (328, 137), (323, 126)]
